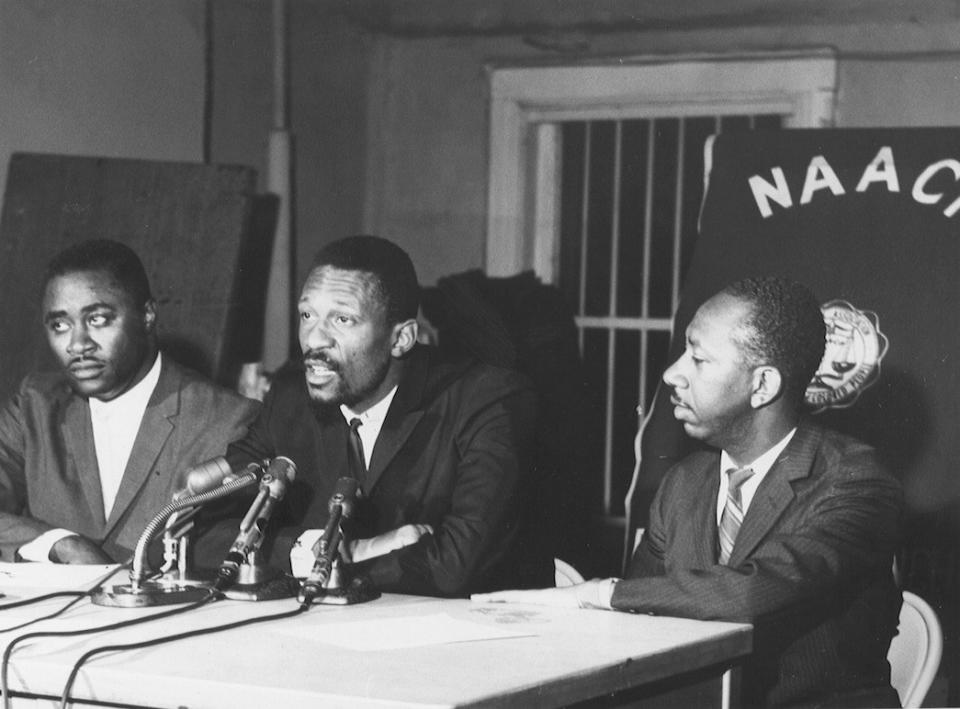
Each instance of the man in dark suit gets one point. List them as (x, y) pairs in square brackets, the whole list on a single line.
[(444, 444), (784, 524), (89, 454)]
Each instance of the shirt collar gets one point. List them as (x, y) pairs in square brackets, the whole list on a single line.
[(373, 416), (762, 464)]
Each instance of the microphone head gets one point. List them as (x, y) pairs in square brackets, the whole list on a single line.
[(282, 467), (207, 476), (280, 473), (344, 495)]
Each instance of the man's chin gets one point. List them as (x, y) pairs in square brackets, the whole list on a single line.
[(87, 387), (323, 395), (694, 431)]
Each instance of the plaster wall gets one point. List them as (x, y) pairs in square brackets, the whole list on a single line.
[(102, 77), (325, 116)]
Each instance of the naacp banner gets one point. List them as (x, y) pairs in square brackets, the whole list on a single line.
[(869, 220)]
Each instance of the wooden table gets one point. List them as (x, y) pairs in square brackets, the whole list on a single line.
[(563, 656)]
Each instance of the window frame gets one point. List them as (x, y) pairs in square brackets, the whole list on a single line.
[(526, 103)]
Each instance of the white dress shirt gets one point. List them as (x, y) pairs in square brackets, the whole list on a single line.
[(115, 427)]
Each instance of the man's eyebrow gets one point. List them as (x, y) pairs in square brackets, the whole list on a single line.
[(54, 315), (99, 305)]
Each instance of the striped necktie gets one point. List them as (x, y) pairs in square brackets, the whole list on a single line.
[(732, 516)]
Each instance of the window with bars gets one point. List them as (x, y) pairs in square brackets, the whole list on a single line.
[(595, 183), (629, 198)]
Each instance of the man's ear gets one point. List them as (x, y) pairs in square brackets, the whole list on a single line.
[(404, 337), (767, 386), (150, 315)]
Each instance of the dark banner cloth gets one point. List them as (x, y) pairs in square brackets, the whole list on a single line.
[(871, 217)]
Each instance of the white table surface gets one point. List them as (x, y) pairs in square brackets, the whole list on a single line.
[(565, 656)]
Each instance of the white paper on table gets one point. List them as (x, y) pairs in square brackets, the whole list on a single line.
[(399, 633), (64, 577)]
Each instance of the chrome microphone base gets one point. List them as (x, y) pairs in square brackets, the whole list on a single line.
[(150, 593), (262, 583)]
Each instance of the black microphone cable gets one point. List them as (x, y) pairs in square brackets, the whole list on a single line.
[(37, 599), (5, 662), (65, 698), (76, 595)]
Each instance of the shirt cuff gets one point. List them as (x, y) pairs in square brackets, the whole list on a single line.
[(303, 554), (39, 548), (605, 592), (602, 593)]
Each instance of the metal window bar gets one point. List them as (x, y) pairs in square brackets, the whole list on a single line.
[(584, 231), (677, 220), (613, 322)]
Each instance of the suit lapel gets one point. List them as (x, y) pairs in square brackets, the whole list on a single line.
[(82, 454), (331, 444), (155, 428), (402, 418), (776, 491), (705, 512)]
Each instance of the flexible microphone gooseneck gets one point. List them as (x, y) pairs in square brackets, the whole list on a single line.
[(141, 593)]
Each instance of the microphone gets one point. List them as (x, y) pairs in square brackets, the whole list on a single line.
[(215, 472), (341, 505), (211, 480), (273, 486)]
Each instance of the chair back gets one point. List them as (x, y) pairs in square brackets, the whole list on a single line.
[(915, 651), (565, 574)]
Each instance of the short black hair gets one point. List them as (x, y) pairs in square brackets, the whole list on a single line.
[(118, 260), (785, 329), (390, 267)]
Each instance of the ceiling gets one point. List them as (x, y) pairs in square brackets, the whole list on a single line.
[(473, 17)]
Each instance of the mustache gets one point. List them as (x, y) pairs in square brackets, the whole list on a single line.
[(311, 356), (83, 359)]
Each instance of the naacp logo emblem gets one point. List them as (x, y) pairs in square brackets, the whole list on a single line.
[(851, 360)]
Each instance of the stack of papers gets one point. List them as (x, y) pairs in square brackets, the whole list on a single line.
[(53, 577)]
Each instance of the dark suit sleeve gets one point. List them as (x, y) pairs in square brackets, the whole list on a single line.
[(219, 523), (17, 527), (256, 442), (492, 438), (844, 533)]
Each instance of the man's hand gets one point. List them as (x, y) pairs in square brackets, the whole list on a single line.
[(388, 541), (77, 550), (589, 594), (302, 557)]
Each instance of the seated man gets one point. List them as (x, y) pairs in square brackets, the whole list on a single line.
[(89, 454), (442, 446), (786, 524)]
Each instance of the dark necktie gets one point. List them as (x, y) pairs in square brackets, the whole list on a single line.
[(732, 516), (355, 459)]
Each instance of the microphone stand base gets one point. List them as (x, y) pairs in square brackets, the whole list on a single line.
[(357, 591), (151, 593), (267, 587)]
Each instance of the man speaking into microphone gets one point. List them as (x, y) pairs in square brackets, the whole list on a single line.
[(438, 449)]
